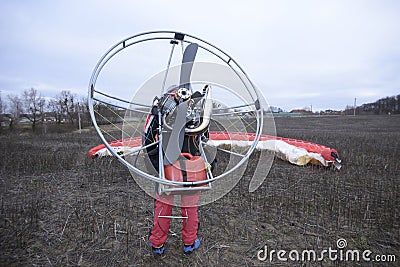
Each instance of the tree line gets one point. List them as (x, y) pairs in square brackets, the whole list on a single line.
[(31, 107), (386, 105)]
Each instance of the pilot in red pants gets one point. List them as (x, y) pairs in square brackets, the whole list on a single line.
[(163, 207), (164, 203)]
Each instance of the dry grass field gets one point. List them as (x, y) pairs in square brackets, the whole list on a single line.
[(61, 208)]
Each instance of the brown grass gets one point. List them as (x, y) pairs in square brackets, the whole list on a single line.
[(60, 208)]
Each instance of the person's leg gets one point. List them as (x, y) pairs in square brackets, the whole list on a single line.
[(189, 204), (159, 232)]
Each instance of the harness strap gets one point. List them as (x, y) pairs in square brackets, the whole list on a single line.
[(182, 164)]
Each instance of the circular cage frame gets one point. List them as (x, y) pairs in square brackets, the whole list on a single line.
[(186, 38)]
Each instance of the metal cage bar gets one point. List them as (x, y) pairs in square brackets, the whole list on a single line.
[(166, 35)]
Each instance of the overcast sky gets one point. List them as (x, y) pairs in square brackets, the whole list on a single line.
[(299, 53)]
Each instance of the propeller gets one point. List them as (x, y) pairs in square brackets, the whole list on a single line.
[(187, 65), (175, 142)]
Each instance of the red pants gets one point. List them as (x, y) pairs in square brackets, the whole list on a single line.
[(163, 207)]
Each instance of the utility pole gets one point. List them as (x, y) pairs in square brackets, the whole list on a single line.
[(79, 122), (355, 106), (79, 119)]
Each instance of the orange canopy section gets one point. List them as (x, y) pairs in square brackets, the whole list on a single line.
[(296, 151)]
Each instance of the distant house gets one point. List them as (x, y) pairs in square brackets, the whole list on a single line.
[(331, 112), (276, 109), (301, 111), (49, 119), (4, 122), (24, 120)]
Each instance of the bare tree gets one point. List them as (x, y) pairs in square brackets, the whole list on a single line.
[(2, 111), (2, 105), (66, 100), (34, 105), (15, 108), (55, 107), (63, 106)]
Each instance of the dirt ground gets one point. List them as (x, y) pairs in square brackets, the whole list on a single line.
[(61, 208)]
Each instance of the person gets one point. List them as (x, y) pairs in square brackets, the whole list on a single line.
[(164, 203)]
